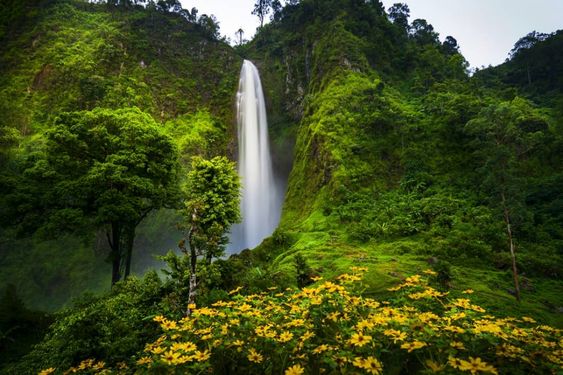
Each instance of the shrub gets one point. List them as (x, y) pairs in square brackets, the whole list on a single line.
[(331, 328)]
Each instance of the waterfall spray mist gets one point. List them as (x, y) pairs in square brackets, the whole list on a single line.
[(261, 198)]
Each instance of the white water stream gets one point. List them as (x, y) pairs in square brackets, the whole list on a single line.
[(261, 198)]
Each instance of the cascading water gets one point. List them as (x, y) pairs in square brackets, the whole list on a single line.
[(261, 198)]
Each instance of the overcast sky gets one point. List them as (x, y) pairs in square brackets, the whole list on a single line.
[(486, 30)]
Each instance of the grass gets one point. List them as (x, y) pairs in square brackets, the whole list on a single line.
[(329, 253)]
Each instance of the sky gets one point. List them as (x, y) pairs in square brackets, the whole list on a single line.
[(485, 30)]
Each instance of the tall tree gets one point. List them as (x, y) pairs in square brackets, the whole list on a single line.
[(276, 10), (504, 136), (211, 207), (525, 43), (450, 45), (261, 10), (399, 13), (104, 169), (423, 32), (239, 34)]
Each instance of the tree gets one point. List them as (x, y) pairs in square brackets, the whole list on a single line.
[(450, 45), (239, 34), (504, 135), (261, 10), (276, 10), (527, 42), (212, 205), (423, 32), (399, 13), (209, 25), (103, 169)]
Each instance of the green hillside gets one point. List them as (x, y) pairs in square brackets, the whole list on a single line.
[(414, 191), (65, 56), (395, 165)]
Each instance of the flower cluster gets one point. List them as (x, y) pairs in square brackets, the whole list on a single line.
[(331, 328)]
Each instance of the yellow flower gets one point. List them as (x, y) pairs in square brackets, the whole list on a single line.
[(454, 329), (364, 324), (430, 272), (475, 365), (528, 320), (185, 346), (245, 307), (296, 323), (202, 356), (459, 315), (359, 339), (234, 291), (414, 279), (358, 362), (468, 291), (427, 317), (224, 329), (333, 316), (316, 300), (144, 361), (463, 303), (238, 343), (372, 365), (47, 371), (454, 362), (395, 288), (457, 345), (99, 365), (285, 336), (359, 269), (395, 334), (122, 365), (87, 363), (170, 357), (321, 348), (316, 278), (410, 346), (254, 356), (433, 366), (168, 324), (191, 306), (307, 335), (295, 370), (157, 350)]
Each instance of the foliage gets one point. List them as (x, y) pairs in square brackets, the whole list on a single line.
[(112, 326), (212, 204), (330, 327), (20, 327), (105, 169), (303, 271), (70, 56)]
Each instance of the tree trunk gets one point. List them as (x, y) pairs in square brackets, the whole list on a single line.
[(193, 277), (115, 245), (511, 244), (129, 240)]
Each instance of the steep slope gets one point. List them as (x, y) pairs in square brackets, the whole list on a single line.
[(395, 164), (59, 56)]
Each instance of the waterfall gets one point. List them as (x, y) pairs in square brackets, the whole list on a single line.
[(260, 198)]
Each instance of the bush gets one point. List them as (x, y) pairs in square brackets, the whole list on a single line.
[(113, 327), (331, 328)]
